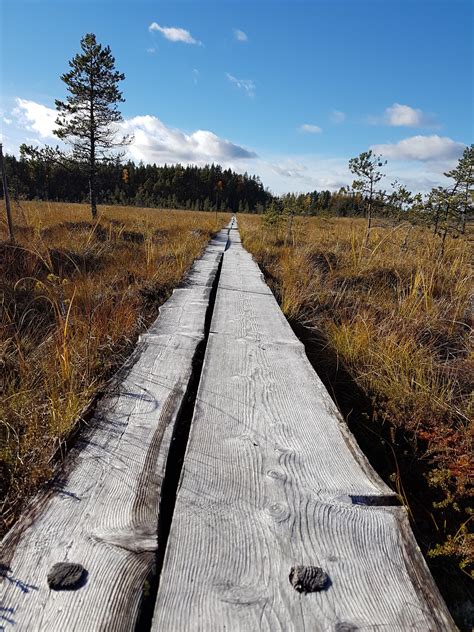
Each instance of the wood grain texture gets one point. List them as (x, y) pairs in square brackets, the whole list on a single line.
[(273, 479), (102, 511)]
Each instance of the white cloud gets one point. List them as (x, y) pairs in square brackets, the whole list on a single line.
[(156, 142), (424, 148), (151, 50), (304, 173), (308, 172), (247, 85), (240, 36), (417, 162), (308, 128), (174, 34), (403, 115), (196, 75), (337, 116), (35, 117), (398, 115)]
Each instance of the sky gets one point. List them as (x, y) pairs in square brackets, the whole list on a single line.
[(285, 89)]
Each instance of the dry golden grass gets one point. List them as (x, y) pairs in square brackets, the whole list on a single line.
[(74, 295), (399, 317)]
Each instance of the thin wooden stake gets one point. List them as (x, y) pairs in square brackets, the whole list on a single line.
[(7, 196)]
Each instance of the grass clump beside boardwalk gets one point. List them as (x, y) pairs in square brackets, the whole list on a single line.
[(74, 295), (398, 317)]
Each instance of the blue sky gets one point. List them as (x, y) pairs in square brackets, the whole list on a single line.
[(289, 90)]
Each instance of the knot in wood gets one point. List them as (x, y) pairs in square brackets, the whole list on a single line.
[(66, 576), (276, 474), (278, 511), (306, 579)]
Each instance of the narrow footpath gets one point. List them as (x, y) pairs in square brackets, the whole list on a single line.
[(217, 488)]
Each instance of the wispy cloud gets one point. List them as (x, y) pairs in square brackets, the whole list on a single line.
[(302, 173), (240, 36), (424, 148), (399, 115), (247, 85), (196, 75), (174, 34), (151, 50), (337, 116), (309, 128)]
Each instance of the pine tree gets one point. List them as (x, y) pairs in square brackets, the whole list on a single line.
[(463, 176), (366, 167), (399, 201), (88, 117)]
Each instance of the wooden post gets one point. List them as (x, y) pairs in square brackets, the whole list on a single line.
[(6, 195)]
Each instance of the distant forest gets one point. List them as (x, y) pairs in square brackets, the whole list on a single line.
[(170, 186)]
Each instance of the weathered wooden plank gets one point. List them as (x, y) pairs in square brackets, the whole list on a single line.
[(240, 271), (246, 307), (204, 269), (102, 512), (250, 315), (183, 312), (273, 479), (228, 566), (258, 399)]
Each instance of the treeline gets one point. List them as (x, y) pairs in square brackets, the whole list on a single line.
[(169, 186), (340, 203), (212, 187)]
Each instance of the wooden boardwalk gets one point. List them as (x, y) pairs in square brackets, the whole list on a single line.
[(272, 479)]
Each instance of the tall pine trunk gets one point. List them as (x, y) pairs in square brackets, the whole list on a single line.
[(435, 229), (92, 191), (466, 202), (92, 164), (369, 216)]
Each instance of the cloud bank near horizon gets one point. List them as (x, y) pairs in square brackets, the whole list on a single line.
[(423, 148), (417, 161)]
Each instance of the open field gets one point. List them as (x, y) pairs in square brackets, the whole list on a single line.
[(396, 319), (74, 297)]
